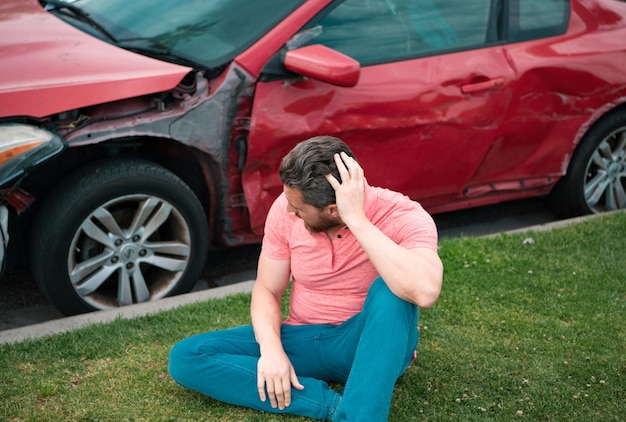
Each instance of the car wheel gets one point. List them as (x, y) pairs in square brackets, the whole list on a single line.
[(118, 233), (596, 176)]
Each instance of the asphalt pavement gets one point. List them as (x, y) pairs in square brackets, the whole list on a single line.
[(242, 282)]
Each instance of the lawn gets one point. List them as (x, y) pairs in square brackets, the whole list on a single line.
[(529, 326)]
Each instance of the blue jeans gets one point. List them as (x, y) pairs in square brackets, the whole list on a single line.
[(368, 353)]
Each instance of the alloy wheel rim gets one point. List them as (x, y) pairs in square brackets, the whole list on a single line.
[(605, 176), (132, 249)]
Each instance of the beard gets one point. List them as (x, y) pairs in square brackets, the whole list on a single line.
[(323, 224)]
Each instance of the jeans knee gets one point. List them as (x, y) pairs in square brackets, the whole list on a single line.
[(176, 367), (183, 361), (197, 353)]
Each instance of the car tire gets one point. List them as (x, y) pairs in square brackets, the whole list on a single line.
[(116, 233), (596, 177)]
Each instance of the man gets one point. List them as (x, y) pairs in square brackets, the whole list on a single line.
[(361, 260)]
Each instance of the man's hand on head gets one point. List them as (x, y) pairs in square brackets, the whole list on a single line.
[(349, 193)]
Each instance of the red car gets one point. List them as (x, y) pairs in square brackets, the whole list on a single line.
[(137, 135)]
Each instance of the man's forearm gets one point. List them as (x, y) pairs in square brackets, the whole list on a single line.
[(266, 317), (275, 373)]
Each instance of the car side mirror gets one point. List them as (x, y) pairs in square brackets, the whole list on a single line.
[(324, 64)]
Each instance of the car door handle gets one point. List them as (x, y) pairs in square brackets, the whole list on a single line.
[(482, 86)]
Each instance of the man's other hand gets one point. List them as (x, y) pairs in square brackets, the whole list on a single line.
[(276, 375)]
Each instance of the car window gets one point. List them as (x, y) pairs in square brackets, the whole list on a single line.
[(378, 31), (530, 19)]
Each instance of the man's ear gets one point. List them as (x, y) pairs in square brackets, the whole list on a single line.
[(332, 210)]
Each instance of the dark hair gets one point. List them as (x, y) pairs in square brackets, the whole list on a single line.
[(306, 166)]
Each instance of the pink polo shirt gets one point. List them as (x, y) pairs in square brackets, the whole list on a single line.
[(331, 278)]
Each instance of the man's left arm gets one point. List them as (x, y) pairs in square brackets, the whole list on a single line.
[(414, 275)]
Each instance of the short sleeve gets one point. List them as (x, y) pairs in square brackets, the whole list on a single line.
[(403, 220), (277, 228), (415, 228)]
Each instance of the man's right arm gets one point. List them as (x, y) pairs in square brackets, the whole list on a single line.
[(275, 372)]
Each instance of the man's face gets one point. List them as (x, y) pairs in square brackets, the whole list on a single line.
[(315, 220)]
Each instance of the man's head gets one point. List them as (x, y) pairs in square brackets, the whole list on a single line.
[(303, 173), (306, 166)]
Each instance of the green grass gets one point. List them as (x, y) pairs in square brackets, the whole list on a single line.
[(528, 327)]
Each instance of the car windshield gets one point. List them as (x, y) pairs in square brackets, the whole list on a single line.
[(209, 33)]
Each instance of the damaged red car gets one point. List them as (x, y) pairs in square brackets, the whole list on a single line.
[(137, 136)]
